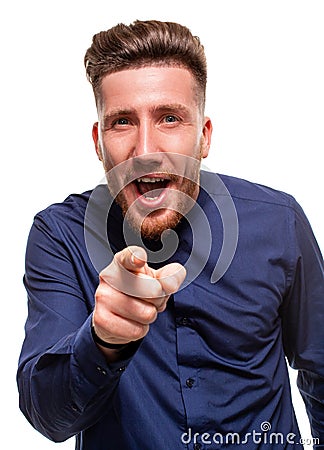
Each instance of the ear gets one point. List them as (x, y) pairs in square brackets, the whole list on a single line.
[(95, 137), (206, 137)]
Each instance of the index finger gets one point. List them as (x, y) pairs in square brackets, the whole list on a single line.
[(129, 273), (132, 258)]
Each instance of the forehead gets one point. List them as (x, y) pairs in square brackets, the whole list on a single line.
[(154, 85)]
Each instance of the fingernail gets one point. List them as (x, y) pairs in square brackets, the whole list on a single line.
[(135, 255)]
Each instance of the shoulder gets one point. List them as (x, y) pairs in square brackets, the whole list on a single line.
[(65, 222), (244, 191), (60, 229)]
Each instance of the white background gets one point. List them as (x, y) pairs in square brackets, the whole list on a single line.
[(265, 97)]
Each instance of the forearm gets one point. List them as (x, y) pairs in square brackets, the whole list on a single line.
[(68, 387)]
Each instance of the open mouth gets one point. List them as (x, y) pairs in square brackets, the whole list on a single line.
[(151, 188)]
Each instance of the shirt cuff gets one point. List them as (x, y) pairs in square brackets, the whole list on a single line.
[(92, 362)]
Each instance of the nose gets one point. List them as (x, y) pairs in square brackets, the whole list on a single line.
[(145, 139), (147, 155)]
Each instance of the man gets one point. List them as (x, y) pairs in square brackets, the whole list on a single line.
[(206, 283)]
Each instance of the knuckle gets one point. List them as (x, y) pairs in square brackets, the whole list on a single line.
[(138, 332), (100, 295), (148, 314), (162, 306), (104, 294)]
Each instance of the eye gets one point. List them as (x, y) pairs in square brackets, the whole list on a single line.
[(121, 121), (170, 118)]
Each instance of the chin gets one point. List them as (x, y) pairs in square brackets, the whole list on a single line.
[(156, 223), (153, 224)]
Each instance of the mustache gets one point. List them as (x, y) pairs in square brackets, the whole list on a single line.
[(171, 166), (159, 172)]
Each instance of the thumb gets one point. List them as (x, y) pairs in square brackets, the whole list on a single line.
[(171, 277)]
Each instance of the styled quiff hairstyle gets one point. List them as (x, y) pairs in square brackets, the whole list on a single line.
[(142, 44)]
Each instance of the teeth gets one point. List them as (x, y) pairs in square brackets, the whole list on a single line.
[(150, 198), (149, 180)]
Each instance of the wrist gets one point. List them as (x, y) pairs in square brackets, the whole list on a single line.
[(106, 344)]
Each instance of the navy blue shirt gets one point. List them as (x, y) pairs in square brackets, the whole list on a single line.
[(212, 372)]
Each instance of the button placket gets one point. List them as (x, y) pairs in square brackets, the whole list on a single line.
[(188, 354)]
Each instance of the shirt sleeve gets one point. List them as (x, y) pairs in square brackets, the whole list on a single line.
[(65, 384), (303, 320)]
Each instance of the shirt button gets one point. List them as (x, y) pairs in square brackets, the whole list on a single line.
[(190, 382), (197, 446), (184, 321), (122, 369), (101, 370)]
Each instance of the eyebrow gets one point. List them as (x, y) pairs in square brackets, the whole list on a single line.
[(165, 107), (171, 107), (117, 112)]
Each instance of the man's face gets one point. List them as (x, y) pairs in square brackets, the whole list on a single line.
[(151, 136)]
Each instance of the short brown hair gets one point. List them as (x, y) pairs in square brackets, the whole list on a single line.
[(145, 43)]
